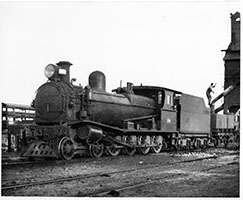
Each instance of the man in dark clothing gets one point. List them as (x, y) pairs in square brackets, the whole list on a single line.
[(208, 92)]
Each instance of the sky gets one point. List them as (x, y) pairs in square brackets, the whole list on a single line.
[(173, 44)]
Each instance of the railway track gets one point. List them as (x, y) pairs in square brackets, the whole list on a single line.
[(116, 191), (25, 162), (37, 162), (108, 178), (85, 176), (10, 163)]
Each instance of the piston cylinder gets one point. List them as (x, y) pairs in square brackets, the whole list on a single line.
[(94, 134)]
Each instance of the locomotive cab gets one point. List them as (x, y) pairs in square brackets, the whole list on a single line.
[(166, 105)]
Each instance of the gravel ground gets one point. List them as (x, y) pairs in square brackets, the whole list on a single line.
[(206, 178)]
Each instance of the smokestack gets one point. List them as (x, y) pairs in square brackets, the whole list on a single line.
[(64, 71)]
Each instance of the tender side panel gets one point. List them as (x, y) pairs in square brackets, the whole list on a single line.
[(194, 116)]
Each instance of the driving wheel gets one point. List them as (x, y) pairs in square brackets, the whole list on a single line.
[(132, 140), (157, 141), (145, 141), (112, 150), (96, 150)]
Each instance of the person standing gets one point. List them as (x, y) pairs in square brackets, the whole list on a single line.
[(208, 92)]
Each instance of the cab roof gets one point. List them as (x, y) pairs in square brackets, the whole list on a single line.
[(154, 88)]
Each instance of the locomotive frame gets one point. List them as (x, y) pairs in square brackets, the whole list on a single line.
[(73, 120)]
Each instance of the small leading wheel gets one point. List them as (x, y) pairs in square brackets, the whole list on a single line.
[(216, 142), (164, 146), (188, 145), (205, 143), (177, 146), (158, 142), (96, 150), (145, 141), (132, 140), (197, 144), (226, 141), (112, 150), (237, 140), (66, 148)]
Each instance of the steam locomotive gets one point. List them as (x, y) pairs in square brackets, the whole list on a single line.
[(75, 120)]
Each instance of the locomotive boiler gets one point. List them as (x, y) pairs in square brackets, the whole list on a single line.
[(59, 101), (75, 120)]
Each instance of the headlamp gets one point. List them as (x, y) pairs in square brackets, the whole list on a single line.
[(49, 70)]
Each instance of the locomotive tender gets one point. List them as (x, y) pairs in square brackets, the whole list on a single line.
[(72, 119)]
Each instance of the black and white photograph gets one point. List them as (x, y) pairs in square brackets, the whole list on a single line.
[(112, 98)]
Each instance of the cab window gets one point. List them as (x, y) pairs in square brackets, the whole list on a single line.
[(168, 99)]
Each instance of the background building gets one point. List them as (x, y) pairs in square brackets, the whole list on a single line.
[(232, 67)]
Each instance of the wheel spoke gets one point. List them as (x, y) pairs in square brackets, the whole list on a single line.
[(188, 145), (158, 142), (96, 150), (112, 150), (132, 140), (66, 148), (144, 140)]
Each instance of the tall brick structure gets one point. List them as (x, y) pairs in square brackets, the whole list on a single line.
[(232, 67)]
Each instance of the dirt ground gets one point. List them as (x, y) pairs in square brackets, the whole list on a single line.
[(151, 176)]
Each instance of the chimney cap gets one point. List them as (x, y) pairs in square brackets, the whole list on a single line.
[(64, 63)]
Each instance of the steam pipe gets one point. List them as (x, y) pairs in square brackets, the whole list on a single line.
[(219, 108), (224, 93)]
